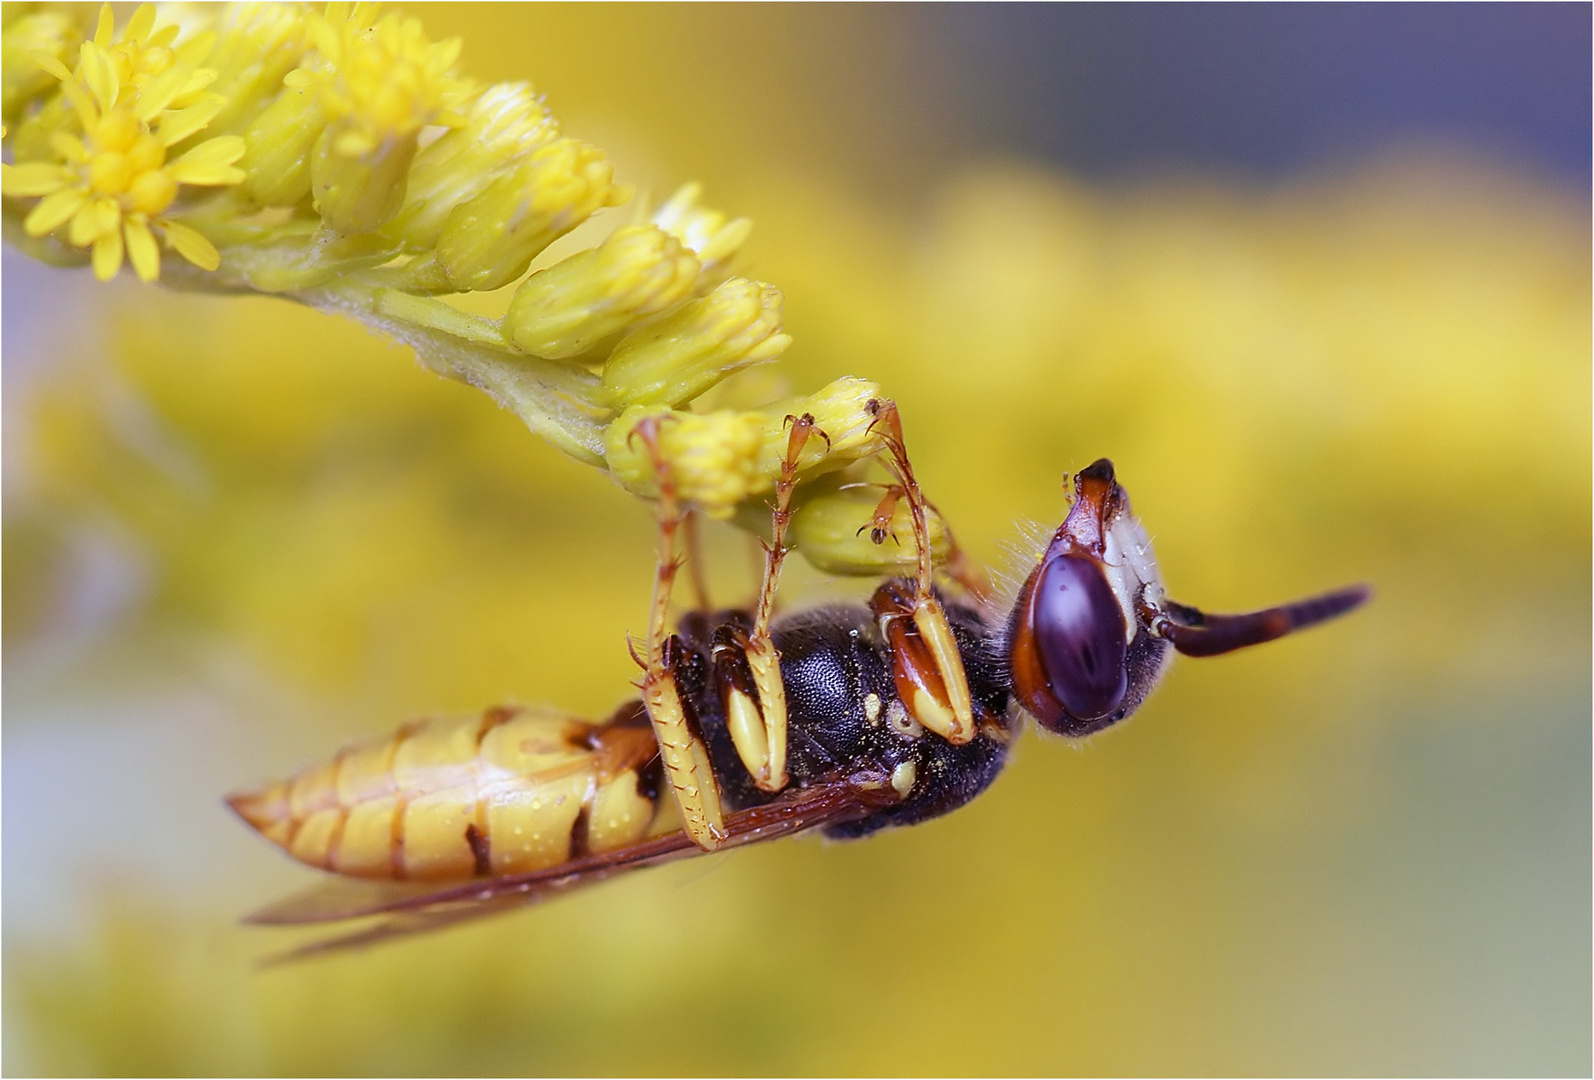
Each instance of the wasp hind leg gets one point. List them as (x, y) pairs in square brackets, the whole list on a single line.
[(681, 747), (746, 665), (926, 665)]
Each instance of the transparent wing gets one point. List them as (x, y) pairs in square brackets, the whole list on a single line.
[(406, 908)]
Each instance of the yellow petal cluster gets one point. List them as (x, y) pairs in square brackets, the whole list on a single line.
[(109, 184), (501, 125), (377, 86)]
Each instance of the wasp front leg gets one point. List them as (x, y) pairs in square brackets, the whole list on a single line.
[(926, 664), (681, 747), (746, 665)]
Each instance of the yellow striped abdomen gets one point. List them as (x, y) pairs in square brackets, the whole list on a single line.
[(503, 793)]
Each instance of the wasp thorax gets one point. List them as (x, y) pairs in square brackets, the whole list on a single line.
[(1079, 632)]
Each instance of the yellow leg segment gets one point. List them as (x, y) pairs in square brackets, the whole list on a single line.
[(686, 760)]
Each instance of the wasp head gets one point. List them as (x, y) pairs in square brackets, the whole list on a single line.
[(1091, 630)]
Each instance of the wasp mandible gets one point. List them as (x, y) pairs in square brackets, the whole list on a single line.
[(844, 719)]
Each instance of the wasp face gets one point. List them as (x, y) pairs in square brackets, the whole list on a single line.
[(1081, 657)]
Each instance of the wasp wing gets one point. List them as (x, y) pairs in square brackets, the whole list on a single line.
[(340, 898), (409, 908), (351, 898)]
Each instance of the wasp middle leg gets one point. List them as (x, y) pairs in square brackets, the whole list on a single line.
[(927, 666), (675, 724), (746, 664)]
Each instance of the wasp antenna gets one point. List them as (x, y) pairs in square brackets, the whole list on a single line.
[(1195, 633)]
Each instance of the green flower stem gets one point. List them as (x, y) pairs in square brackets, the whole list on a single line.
[(438, 315), (299, 263), (556, 401)]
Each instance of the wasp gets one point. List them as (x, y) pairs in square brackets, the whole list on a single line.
[(842, 720)]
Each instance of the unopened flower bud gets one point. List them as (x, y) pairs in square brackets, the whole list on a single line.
[(280, 142), (359, 186), (673, 360), (565, 310), (490, 240), (51, 32), (257, 45), (712, 457), (709, 233), (501, 124), (835, 528)]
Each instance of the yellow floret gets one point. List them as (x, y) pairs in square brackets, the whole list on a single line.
[(111, 185), (378, 86), (565, 310), (491, 240), (713, 457), (841, 411), (707, 232), (832, 529), (49, 33), (501, 125), (673, 360)]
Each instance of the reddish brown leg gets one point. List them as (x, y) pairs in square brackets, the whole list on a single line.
[(746, 665), (686, 759), (924, 653), (695, 567), (958, 566), (885, 510), (802, 429)]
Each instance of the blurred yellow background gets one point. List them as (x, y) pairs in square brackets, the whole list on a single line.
[(239, 533)]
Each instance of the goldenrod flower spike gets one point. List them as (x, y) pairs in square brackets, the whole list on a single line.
[(336, 158)]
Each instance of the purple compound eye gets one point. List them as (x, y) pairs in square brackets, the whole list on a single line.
[(1079, 630)]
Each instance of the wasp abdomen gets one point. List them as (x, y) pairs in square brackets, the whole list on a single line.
[(506, 792)]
